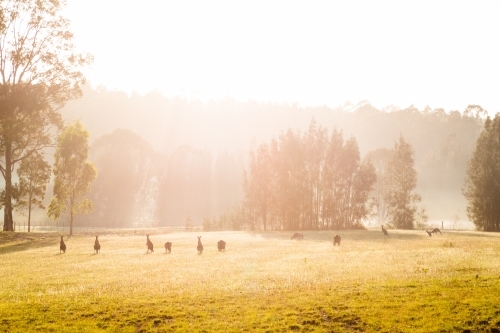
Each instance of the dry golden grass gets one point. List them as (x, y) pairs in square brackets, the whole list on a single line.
[(262, 282)]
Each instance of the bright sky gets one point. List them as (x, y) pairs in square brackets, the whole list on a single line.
[(437, 53)]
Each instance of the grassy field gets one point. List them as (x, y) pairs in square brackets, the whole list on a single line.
[(263, 282)]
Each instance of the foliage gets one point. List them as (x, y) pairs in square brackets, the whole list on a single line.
[(443, 141), (421, 218), (482, 182), (39, 70), (189, 224), (34, 174), (73, 174), (258, 190), (400, 182), (126, 183), (308, 182), (185, 186), (379, 158)]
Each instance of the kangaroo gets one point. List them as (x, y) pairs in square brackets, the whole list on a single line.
[(97, 246), (297, 236), (336, 240), (62, 246), (435, 231), (200, 246), (385, 231), (221, 245), (149, 244), (168, 247)]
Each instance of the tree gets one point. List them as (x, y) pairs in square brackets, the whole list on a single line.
[(482, 184), (257, 183), (185, 186), (308, 182), (348, 184), (73, 174), (34, 174), (38, 74), (379, 158), (400, 182), (126, 163)]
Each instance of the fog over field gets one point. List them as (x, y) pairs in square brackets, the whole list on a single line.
[(180, 96), (443, 140)]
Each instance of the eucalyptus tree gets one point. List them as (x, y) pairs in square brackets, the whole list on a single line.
[(257, 183), (482, 182), (126, 164), (73, 175), (379, 158), (34, 174), (400, 182), (39, 73), (315, 140), (348, 183)]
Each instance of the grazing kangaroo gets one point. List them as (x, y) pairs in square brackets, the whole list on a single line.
[(336, 240), (297, 236), (435, 231), (385, 231), (221, 245), (168, 247), (149, 244), (200, 246), (62, 246), (97, 246)]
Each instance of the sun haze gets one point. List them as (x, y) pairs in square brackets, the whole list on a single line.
[(441, 54)]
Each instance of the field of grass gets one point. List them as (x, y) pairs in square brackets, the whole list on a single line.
[(263, 282)]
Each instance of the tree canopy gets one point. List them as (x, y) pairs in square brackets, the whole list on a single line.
[(400, 182), (308, 181), (39, 73), (73, 175), (34, 174), (482, 182)]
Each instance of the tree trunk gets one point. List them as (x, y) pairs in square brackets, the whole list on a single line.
[(71, 223), (71, 204), (8, 222), (29, 214)]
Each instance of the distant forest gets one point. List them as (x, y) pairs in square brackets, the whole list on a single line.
[(168, 161)]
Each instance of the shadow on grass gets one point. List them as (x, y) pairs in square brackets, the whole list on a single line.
[(351, 235), (474, 234), (19, 246)]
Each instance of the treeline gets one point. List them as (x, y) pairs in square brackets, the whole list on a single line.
[(482, 185), (309, 181), (139, 183), (443, 141), (138, 187)]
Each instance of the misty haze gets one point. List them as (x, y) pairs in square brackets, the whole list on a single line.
[(221, 166)]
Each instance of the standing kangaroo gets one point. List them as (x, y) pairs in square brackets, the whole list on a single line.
[(149, 244), (385, 231), (200, 246), (168, 247), (62, 246), (221, 245), (97, 246)]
